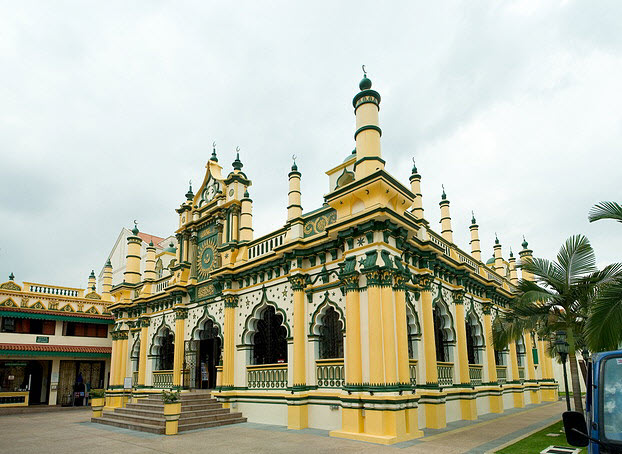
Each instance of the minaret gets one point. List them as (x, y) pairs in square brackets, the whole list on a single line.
[(513, 273), (366, 106), (498, 256), (476, 250), (132, 262), (150, 273), (294, 208), (446, 231), (415, 187), (525, 256), (107, 282), (91, 287), (246, 218)]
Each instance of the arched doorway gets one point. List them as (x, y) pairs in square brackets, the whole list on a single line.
[(164, 350), (203, 354), (270, 338), (331, 335), (474, 338)]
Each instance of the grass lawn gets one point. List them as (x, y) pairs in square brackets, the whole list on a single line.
[(535, 443)]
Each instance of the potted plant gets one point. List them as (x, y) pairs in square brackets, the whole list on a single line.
[(97, 401), (172, 410)]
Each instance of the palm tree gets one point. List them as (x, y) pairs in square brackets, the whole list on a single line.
[(559, 298), (603, 326)]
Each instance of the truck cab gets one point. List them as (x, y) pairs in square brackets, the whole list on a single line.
[(600, 428)]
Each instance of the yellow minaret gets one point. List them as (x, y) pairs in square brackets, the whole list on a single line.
[(246, 218), (107, 282), (476, 250), (150, 273), (498, 256), (513, 273), (366, 106), (132, 267), (525, 256), (294, 207), (415, 187), (92, 282), (446, 231)]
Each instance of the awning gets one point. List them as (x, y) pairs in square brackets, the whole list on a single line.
[(41, 315), (54, 350)]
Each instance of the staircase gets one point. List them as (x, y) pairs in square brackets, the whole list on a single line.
[(198, 411)]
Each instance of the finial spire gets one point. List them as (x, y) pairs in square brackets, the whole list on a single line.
[(237, 164), (511, 253), (294, 166), (214, 157), (11, 276), (92, 274), (525, 244), (135, 229), (496, 238), (365, 83), (414, 167), (189, 194), (473, 221), (443, 196)]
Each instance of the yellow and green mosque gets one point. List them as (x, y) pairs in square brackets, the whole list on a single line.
[(355, 317)]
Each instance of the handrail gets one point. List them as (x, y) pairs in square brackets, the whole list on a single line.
[(329, 373), (264, 246)]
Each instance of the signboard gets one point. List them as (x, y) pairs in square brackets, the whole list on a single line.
[(127, 383), (43, 339)]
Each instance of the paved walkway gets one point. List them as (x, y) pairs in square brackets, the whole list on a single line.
[(72, 432)]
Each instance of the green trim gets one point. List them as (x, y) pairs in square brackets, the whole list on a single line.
[(34, 315), (48, 353), (366, 128)]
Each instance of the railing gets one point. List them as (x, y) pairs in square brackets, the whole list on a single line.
[(162, 283), (475, 374), (412, 364), (53, 290), (329, 373), (162, 378), (502, 374), (468, 261), (440, 242), (134, 378), (445, 374), (265, 246), (494, 277), (521, 373), (267, 376)]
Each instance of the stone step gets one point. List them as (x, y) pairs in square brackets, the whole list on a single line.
[(205, 425), (184, 406), (208, 418), (155, 420), (111, 421), (151, 413)]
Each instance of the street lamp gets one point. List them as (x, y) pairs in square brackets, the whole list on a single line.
[(562, 350)]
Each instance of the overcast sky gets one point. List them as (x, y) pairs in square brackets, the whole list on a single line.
[(107, 109)]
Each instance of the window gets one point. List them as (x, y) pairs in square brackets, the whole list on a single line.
[(28, 326), (85, 329), (331, 335), (270, 340)]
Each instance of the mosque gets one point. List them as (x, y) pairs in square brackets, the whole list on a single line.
[(355, 317)]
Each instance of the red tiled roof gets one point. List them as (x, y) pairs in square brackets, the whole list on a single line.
[(55, 348), (46, 312), (147, 238)]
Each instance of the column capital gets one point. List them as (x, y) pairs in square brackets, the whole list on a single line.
[(119, 335), (399, 281), (459, 296), (487, 307), (231, 300), (298, 282), (351, 282), (378, 277), (144, 322), (181, 313), (425, 281)]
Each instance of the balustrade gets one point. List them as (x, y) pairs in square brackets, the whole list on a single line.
[(329, 373), (445, 374), (163, 379), (267, 376), (475, 374), (502, 374)]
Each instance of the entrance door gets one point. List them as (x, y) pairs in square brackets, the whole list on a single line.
[(34, 372), (209, 357)]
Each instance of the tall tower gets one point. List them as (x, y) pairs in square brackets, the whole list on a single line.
[(446, 232), (513, 273), (498, 257), (150, 273), (246, 218), (294, 207), (366, 106), (92, 282), (107, 282), (415, 187), (476, 250), (525, 256)]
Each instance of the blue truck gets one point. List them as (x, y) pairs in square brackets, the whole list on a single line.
[(600, 428)]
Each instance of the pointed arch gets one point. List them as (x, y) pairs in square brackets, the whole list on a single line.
[(316, 319), (203, 324), (444, 333), (250, 325), (413, 328), (474, 336)]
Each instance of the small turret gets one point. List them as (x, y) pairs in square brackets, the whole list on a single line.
[(415, 187), (92, 281), (446, 232), (476, 250), (294, 207), (525, 256), (246, 218), (132, 268), (150, 272), (513, 273), (498, 256)]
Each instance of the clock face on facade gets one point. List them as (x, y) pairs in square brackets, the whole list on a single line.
[(207, 258)]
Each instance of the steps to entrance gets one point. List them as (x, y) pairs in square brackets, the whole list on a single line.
[(198, 411)]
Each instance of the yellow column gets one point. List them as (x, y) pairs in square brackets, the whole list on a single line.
[(181, 313), (435, 416), (401, 323), (496, 399), (519, 401), (228, 363), (297, 412), (142, 359), (468, 407), (534, 392), (113, 361), (235, 213), (374, 321), (388, 330), (123, 357)]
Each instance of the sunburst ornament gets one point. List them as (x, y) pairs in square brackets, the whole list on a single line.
[(207, 258)]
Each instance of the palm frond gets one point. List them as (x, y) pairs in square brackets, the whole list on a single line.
[(602, 330), (576, 257), (606, 210), (546, 272)]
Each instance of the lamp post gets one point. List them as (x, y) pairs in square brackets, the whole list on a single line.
[(562, 349)]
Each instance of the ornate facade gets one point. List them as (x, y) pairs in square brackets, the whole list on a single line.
[(355, 317)]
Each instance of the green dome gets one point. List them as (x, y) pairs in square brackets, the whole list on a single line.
[(350, 155), (490, 261), (365, 83), (171, 248)]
